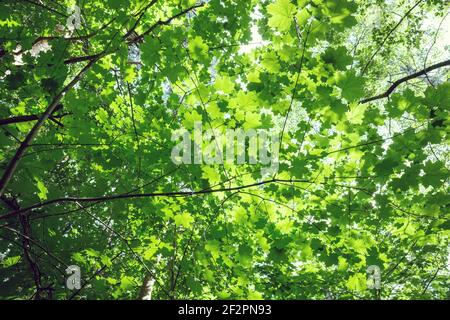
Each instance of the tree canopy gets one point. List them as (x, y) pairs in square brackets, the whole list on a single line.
[(91, 93)]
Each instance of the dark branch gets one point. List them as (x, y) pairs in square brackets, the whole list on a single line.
[(141, 14), (165, 22), (26, 244), (12, 165), (82, 58), (144, 195), (27, 118), (388, 35), (407, 78)]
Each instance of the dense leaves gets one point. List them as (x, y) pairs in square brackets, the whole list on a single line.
[(88, 114)]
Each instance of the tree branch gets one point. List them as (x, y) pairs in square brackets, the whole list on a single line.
[(47, 8), (165, 22), (95, 274), (12, 165), (404, 79), (27, 118), (388, 35), (26, 246), (81, 59), (143, 195), (141, 14)]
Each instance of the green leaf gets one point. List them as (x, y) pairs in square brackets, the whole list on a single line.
[(356, 113), (10, 261), (194, 285), (184, 219), (352, 86), (151, 50), (338, 57), (357, 282), (281, 14), (198, 48), (43, 191)]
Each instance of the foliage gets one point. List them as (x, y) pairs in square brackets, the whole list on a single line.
[(359, 184)]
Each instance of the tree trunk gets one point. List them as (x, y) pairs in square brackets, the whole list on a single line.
[(148, 284)]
